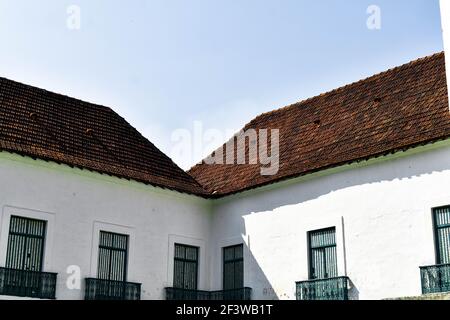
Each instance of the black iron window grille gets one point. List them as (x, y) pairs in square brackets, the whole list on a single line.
[(233, 268), (112, 271), (22, 275), (322, 253), (185, 276), (185, 267), (112, 256), (442, 234), (25, 244)]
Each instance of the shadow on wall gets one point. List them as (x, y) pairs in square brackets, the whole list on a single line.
[(353, 292), (238, 208), (231, 234), (262, 289), (365, 173)]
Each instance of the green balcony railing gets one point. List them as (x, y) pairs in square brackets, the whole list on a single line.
[(435, 278), (99, 289), (186, 294), (26, 283), (240, 294), (323, 289)]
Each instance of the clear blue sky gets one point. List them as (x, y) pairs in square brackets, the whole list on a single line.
[(165, 64)]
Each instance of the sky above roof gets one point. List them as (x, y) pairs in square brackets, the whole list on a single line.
[(172, 67)]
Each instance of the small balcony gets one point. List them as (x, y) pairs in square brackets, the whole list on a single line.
[(186, 294), (435, 278), (241, 294), (99, 289), (25, 283), (323, 289)]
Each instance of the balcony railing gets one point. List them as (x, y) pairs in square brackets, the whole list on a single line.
[(435, 278), (25, 283), (241, 294), (185, 294), (98, 289), (323, 289)]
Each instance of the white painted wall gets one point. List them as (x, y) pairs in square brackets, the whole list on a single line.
[(78, 204), (381, 211)]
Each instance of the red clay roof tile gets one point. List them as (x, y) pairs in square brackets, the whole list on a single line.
[(41, 124), (394, 110), (397, 109)]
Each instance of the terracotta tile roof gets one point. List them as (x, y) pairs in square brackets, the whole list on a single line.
[(400, 108), (49, 126), (395, 110)]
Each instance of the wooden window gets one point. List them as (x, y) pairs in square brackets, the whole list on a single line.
[(442, 234), (185, 267), (26, 244), (233, 267), (112, 256), (322, 253)]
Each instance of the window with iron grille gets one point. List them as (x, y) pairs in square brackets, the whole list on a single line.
[(185, 267), (25, 244), (233, 267), (322, 253), (112, 256), (442, 234)]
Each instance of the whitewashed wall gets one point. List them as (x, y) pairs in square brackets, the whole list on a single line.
[(382, 215), (381, 210), (77, 204)]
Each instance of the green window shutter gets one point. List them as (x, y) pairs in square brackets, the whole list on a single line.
[(233, 267), (322, 253), (112, 256), (185, 267), (26, 244), (442, 234)]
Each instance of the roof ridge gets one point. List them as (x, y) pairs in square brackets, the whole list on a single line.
[(346, 86)]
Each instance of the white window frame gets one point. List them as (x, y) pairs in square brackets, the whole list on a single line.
[(9, 211), (114, 228)]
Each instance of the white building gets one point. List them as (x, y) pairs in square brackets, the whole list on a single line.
[(360, 200)]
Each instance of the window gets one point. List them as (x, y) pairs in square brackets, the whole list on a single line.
[(233, 267), (25, 244), (185, 267), (111, 282), (437, 278), (112, 256), (22, 275), (442, 234), (322, 253)]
